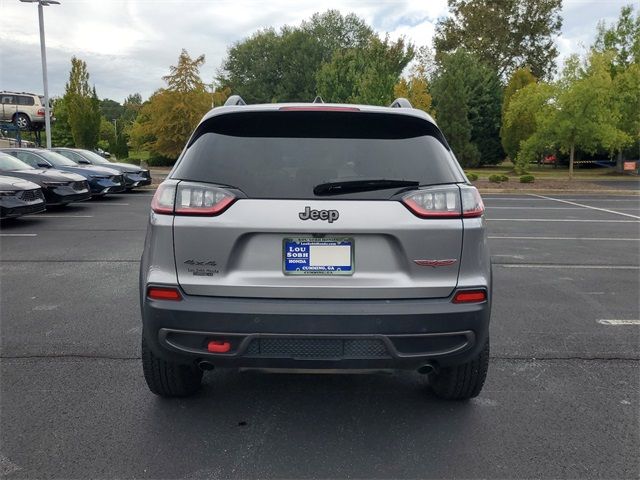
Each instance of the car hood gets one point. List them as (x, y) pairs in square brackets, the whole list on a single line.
[(45, 175), (87, 171), (13, 183), (126, 167)]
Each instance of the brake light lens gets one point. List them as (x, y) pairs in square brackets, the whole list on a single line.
[(451, 201), (319, 109), (163, 199), (190, 198), (470, 296), (435, 202), (164, 293), (472, 205), (40, 112)]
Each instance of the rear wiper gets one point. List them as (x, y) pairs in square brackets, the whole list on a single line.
[(353, 186)]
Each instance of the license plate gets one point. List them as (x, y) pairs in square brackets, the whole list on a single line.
[(318, 256)]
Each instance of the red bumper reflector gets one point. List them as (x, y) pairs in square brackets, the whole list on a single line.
[(164, 293), (470, 296), (218, 346)]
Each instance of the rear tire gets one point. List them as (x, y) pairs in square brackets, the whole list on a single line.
[(169, 379), (22, 121), (462, 382)]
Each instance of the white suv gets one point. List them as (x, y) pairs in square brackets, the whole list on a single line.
[(25, 110)]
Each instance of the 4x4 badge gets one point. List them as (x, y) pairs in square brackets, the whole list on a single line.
[(308, 214)]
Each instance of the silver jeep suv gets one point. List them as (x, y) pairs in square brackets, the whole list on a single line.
[(316, 236)]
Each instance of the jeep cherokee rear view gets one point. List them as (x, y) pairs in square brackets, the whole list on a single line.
[(316, 236)]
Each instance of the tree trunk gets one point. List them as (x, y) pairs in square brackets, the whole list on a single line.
[(619, 162), (573, 149)]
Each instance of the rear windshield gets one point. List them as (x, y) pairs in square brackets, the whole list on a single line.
[(287, 154)]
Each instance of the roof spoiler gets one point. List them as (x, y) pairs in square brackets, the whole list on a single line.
[(234, 100), (401, 103)]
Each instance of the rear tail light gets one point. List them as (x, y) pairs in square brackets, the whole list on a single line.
[(470, 296), (472, 205), (164, 293), (189, 198), (451, 201), (40, 112)]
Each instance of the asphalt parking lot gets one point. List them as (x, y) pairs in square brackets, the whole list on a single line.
[(562, 399)]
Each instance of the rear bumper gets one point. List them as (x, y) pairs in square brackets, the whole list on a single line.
[(335, 334)]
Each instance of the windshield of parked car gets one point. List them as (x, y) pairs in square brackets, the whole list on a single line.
[(7, 162), (56, 159), (288, 154), (93, 157)]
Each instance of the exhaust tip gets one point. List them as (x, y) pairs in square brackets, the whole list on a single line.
[(426, 369), (205, 365)]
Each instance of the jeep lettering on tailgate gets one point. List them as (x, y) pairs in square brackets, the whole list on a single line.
[(308, 214)]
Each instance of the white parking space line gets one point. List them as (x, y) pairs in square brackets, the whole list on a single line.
[(48, 215), (598, 239), (636, 199), (618, 322), (615, 212), (563, 220), (564, 267), (18, 234)]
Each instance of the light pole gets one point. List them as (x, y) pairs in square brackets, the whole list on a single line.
[(43, 55)]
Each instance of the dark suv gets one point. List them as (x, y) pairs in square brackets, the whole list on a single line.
[(317, 236)]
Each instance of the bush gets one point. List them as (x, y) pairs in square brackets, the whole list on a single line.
[(472, 177), (498, 178), (159, 161), (527, 179)]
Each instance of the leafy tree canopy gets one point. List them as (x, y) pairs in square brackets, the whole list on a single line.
[(506, 34), (82, 106), (522, 126), (621, 38)]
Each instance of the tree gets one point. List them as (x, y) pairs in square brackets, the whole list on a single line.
[(61, 135), (166, 121), (577, 112), (506, 34), (415, 87), (479, 98), (623, 39), (82, 106), (111, 109), (364, 75), (521, 126), (272, 66), (451, 97)]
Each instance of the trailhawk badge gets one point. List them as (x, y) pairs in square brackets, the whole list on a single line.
[(329, 215)]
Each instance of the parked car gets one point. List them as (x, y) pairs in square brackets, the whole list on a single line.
[(59, 188), (103, 153), (25, 110), (19, 197), (101, 180), (134, 176), (319, 237)]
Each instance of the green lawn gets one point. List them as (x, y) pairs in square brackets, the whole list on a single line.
[(549, 172)]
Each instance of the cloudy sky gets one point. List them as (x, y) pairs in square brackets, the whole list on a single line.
[(129, 44)]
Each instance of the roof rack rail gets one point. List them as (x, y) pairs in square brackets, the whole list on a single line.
[(318, 99), (234, 100), (401, 103)]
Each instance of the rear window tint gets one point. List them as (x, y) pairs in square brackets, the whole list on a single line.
[(286, 154)]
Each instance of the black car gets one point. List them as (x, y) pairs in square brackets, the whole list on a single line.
[(134, 176), (101, 180), (59, 188), (19, 197)]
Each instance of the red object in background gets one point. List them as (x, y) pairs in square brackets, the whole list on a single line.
[(550, 159)]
